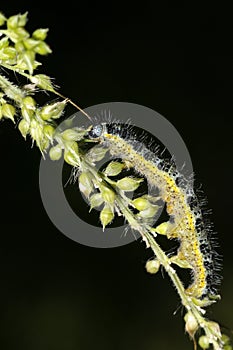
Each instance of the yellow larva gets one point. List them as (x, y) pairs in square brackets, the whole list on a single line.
[(195, 247)]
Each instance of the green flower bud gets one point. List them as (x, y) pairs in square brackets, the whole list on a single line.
[(28, 58), (191, 324), (55, 152), (152, 266), (42, 48), (204, 342), (96, 154), (53, 110), (128, 184), (71, 154), (2, 19), (36, 131), (30, 43), (162, 228), (4, 42), (106, 216), (17, 34), (42, 81), (70, 135), (107, 194), (225, 339), (149, 212), (85, 183), (40, 34), (19, 46), (49, 131), (114, 169), (28, 108), (8, 111), (140, 203), (24, 127), (17, 21), (96, 200), (8, 53)]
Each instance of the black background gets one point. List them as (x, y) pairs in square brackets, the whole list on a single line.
[(175, 59)]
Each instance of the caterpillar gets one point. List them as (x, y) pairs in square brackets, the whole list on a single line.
[(187, 219)]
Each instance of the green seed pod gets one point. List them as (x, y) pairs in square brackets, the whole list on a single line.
[(96, 200), (106, 216), (55, 152), (96, 154), (128, 184), (152, 266), (70, 135), (71, 154), (191, 324), (24, 127), (107, 194), (53, 110), (8, 111), (204, 342), (85, 183), (140, 203), (40, 34), (42, 48), (114, 169)]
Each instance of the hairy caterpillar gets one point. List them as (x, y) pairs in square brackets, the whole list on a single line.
[(187, 222)]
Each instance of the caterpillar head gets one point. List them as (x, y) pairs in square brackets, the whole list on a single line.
[(96, 131)]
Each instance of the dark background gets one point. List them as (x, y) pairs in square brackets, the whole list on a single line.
[(176, 59)]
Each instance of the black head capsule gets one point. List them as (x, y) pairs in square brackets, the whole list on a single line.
[(96, 131)]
